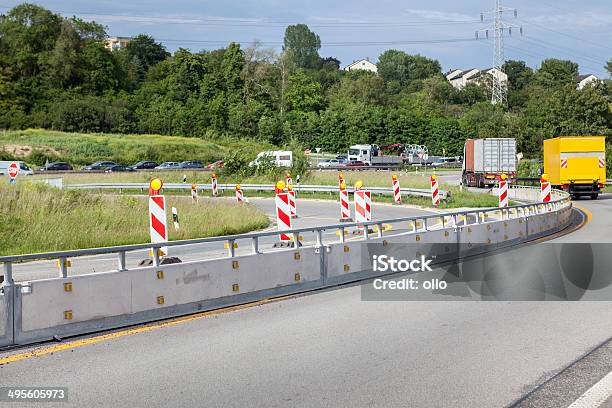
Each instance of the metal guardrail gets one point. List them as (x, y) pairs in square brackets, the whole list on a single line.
[(455, 219), (420, 192)]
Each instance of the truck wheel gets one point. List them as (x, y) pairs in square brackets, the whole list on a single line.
[(594, 196)]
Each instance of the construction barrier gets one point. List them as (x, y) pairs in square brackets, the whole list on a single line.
[(239, 194), (545, 189), (503, 193), (213, 184), (158, 223), (292, 201), (38, 310), (283, 215), (435, 192), (345, 210), (363, 210), (397, 196)]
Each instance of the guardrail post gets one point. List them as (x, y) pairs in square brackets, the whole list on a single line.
[(231, 251), (121, 261), (8, 274), (63, 267), (155, 253), (296, 239), (319, 234), (380, 229), (365, 232), (255, 245), (425, 224)]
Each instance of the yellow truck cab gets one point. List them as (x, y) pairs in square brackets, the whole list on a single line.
[(576, 164)]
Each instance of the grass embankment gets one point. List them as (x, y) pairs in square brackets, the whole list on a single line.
[(37, 145), (35, 218)]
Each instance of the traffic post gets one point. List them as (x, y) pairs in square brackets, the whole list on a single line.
[(288, 180), (158, 224), (435, 192), (175, 219), (214, 184), (397, 195), (363, 209), (292, 200), (340, 180), (544, 188), (503, 191), (13, 172), (345, 210), (239, 194), (194, 193), (283, 214)]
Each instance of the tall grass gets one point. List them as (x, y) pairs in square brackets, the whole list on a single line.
[(35, 218)]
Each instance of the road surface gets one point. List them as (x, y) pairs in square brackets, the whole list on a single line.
[(331, 349)]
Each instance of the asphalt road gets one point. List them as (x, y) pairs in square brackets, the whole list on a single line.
[(332, 349), (311, 213)]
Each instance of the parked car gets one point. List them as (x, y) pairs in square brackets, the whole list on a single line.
[(192, 164), (329, 163), (216, 165), (56, 166), (101, 165), (118, 168), (356, 163), (342, 157), (145, 165), (168, 166)]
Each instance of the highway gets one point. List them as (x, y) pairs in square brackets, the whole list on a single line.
[(331, 349)]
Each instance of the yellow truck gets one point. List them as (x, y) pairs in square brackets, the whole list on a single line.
[(576, 164)]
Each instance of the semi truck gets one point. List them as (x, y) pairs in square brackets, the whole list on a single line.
[(576, 164), (372, 155), (485, 160)]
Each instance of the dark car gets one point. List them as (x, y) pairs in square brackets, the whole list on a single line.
[(56, 166), (191, 164), (101, 165), (356, 163), (145, 165), (117, 168)]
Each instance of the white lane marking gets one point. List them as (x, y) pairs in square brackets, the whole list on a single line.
[(596, 395)]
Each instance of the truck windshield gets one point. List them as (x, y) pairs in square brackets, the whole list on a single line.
[(354, 152), (23, 166)]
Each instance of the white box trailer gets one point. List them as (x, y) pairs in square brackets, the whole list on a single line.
[(485, 160)]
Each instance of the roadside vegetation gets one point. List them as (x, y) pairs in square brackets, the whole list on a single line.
[(36, 218)]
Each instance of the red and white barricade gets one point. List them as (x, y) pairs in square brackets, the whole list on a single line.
[(283, 215), (288, 180), (194, 193), (214, 185), (435, 192), (345, 210), (158, 223), (239, 194), (363, 207), (292, 201), (503, 193), (397, 195), (545, 191)]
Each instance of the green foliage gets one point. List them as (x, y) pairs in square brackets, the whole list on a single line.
[(397, 66), (303, 44), (554, 72)]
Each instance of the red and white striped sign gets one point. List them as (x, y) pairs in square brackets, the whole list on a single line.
[(239, 194), (292, 202), (435, 193), (545, 192), (363, 210), (503, 193), (194, 193), (214, 185), (345, 211), (602, 163), (397, 196), (283, 215), (288, 180), (564, 163), (158, 223)]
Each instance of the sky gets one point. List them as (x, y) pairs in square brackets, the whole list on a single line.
[(350, 30)]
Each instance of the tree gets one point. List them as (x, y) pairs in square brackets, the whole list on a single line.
[(394, 65), (63, 60), (360, 86), (145, 52), (303, 95), (555, 72), (519, 74), (609, 67), (303, 44)]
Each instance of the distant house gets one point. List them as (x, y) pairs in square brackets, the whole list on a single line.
[(460, 78), (584, 80), (117, 43), (362, 65)]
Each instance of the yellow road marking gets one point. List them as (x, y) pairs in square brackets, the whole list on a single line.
[(122, 333), (587, 212)]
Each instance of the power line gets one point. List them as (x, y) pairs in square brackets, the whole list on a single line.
[(582, 40), (571, 53)]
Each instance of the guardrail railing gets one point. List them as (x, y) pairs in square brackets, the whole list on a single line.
[(420, 192), (419, 223)]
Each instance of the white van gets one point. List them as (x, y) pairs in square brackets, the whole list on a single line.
[(280, 158), (24, 170)]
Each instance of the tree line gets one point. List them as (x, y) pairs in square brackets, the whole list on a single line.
[(56, 73)]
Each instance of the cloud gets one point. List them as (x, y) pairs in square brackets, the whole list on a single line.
[(440, 15), (336, 20)]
